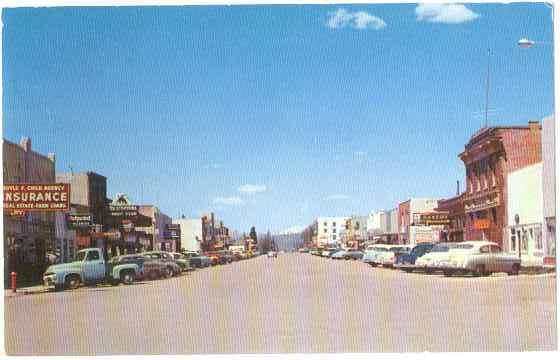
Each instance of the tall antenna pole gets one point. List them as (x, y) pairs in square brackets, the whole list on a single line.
[(487, 91)]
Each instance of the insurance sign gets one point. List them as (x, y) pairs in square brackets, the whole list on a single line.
[(36, 197)]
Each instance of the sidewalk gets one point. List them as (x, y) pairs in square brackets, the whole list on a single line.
[(25, 291)]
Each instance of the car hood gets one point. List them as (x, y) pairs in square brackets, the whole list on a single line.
[(76, 265)]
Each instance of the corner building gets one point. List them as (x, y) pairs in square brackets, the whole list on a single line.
[(489, 156)]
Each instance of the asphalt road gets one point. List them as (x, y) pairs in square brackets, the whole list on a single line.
[(295, 303)]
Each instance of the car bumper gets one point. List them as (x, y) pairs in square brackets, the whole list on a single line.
[(49, 281)]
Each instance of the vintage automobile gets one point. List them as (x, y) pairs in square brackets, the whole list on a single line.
[(387, 258), (171, 267), (90, 267), (348, 254), (480, 258), (272, 254), (196, 260), (407, 262), (373, 251), (183, 261), (428, 262)]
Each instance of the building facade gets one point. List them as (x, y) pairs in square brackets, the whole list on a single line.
[(28, 238), (410, 229), (549, 191), (525, 215), (331, 230), (155, 238), (455, 209), (489, 156), (191, 233), (356, 231), (88, 189)]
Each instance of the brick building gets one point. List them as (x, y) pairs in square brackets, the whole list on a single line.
[(489, 156), (455, 208), (30, 238)]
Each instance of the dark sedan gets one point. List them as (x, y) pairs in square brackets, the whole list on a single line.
[(407, 262)]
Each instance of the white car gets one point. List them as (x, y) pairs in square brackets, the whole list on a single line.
[(429, 262), (480, 258), (387, 258), (272, 254), (373, 252)]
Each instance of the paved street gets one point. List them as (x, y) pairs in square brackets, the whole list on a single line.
[(295, 303)]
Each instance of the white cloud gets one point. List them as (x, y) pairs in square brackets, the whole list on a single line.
[(251, 189), (336, 197), (445, 13), (361, 20), (232, 200)]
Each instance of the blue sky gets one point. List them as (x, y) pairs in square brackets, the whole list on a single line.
[(317, 110)]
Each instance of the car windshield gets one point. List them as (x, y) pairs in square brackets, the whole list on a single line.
[(80, 256)]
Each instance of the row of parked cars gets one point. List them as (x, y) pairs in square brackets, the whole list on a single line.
[(91, 266), (478, 258)]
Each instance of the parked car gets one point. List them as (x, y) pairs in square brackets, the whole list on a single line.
[(373, 251), (183, 261), (428, 262), (303, 250), (272, 254), (90, 267), (348, 254), (219, 257), (480, 258), (329, 251), (387, 258), (198, 261), (407, 262), (172, 268)]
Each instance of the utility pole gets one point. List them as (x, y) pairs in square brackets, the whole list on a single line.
[(487, 91)]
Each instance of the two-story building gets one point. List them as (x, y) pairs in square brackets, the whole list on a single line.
[(489, 157)]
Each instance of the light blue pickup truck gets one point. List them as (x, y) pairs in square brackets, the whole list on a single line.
[(91, 267)]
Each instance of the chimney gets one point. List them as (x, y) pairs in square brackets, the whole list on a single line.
[(25, 143)]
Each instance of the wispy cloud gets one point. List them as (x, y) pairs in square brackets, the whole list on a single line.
[(232, 200), (361, 20), (336, 197), (445, 13), (251, 189)]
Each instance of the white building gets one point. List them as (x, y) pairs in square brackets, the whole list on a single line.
[(411, 230), (374, 223), (330, 230), (549, 182), (525, 214), (191, 233)]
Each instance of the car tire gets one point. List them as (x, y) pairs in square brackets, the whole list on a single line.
[(168, 272), (72, 282), (515, 270), (128, 277), (114, 282)]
